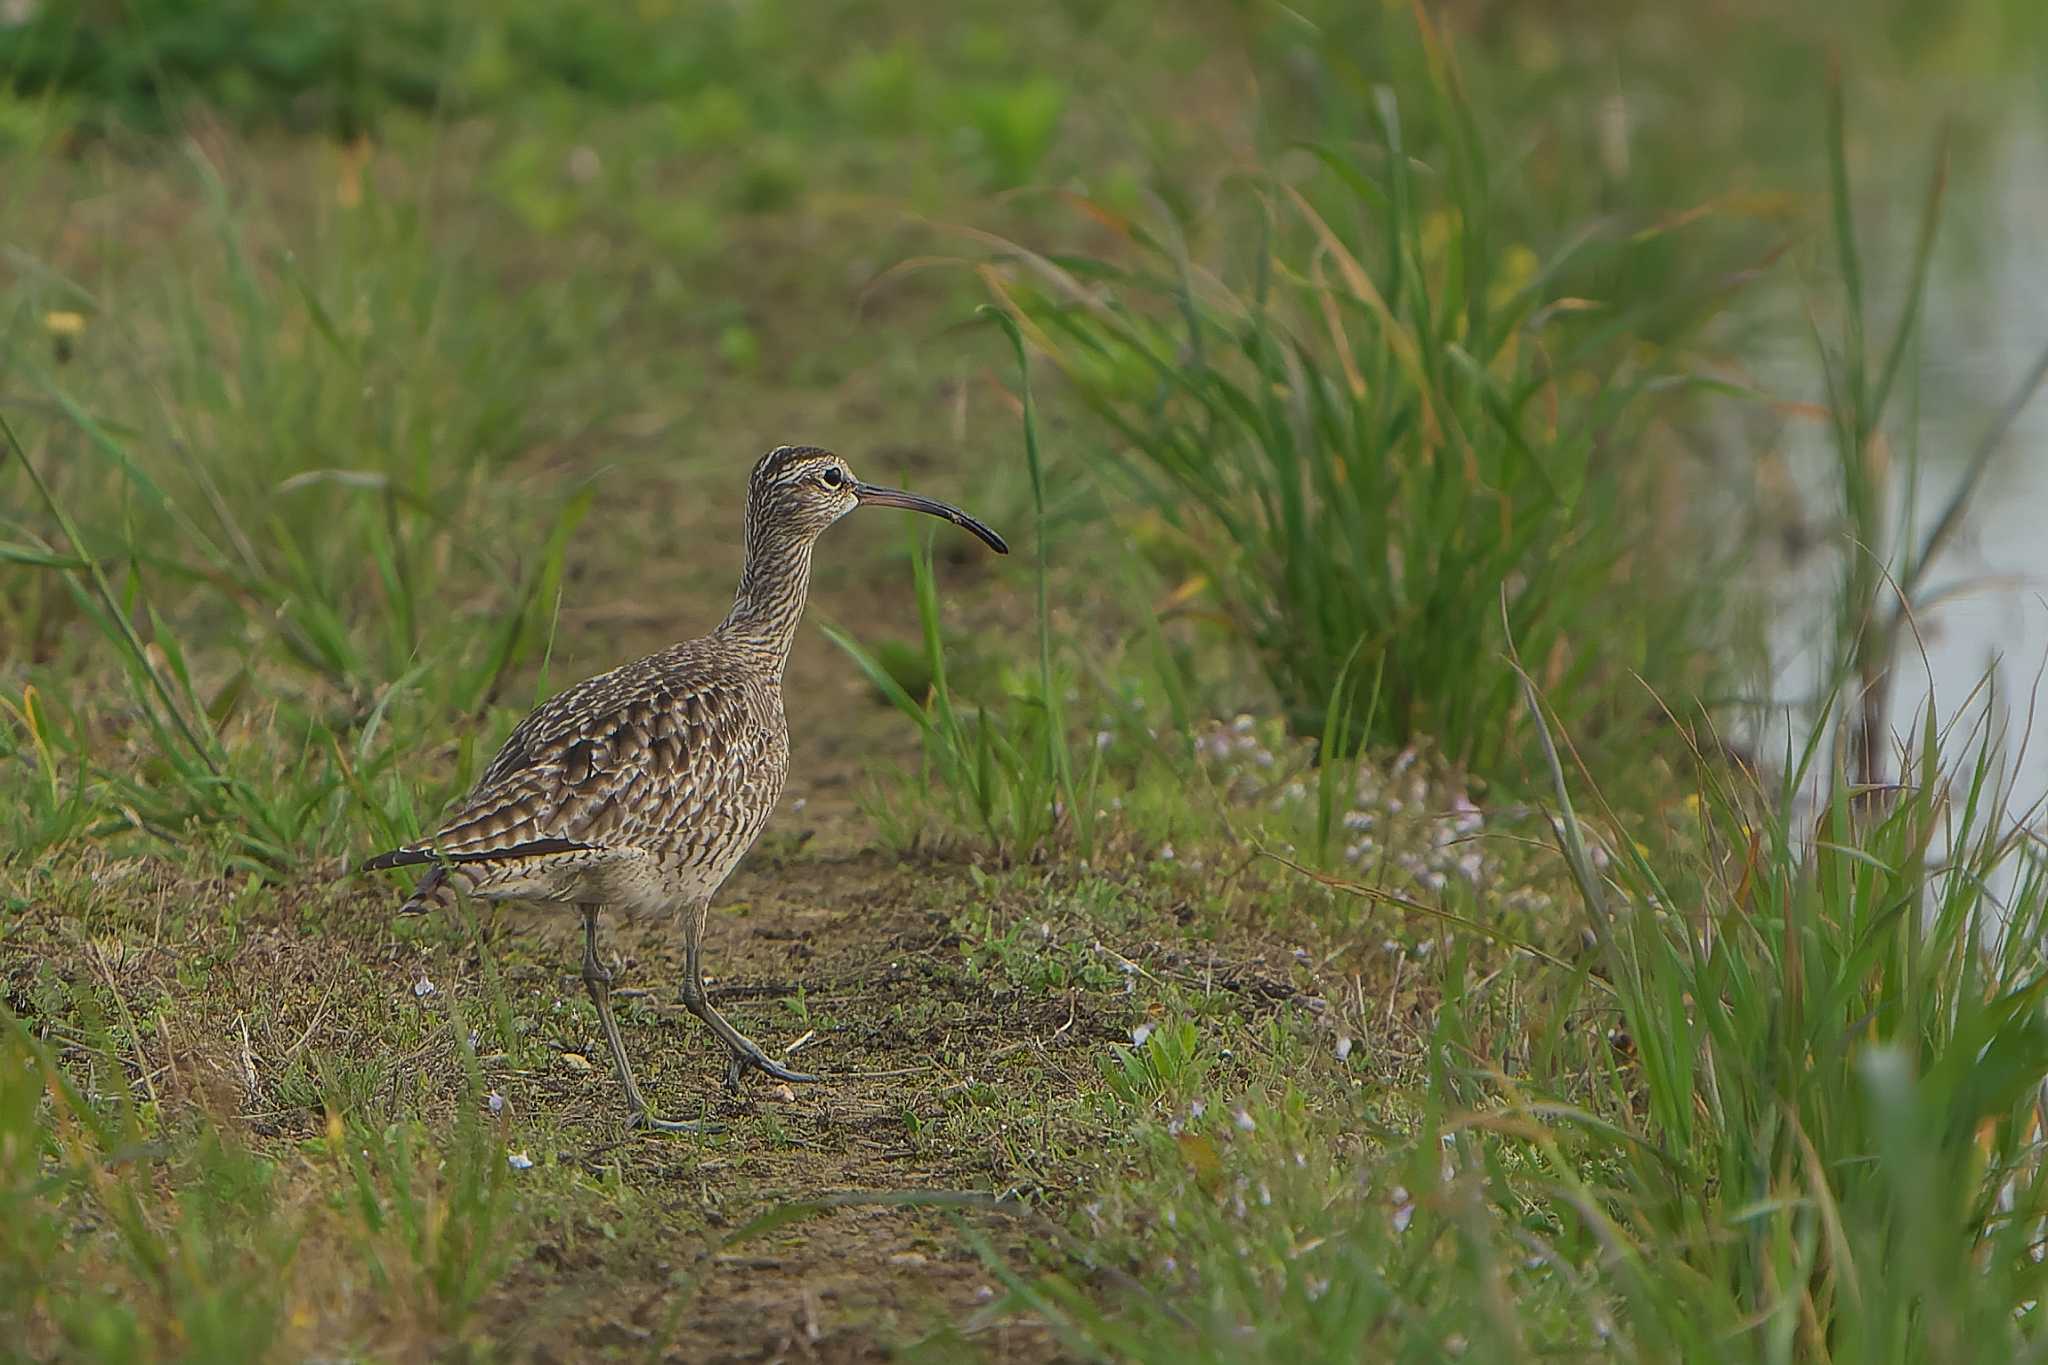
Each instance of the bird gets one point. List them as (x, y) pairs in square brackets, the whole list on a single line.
[(641, 788)]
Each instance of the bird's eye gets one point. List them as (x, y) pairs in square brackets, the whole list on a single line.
[(832, 477)]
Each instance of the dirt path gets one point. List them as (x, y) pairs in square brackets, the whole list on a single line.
[(885, 992)]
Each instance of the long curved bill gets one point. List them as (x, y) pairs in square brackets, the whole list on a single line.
[(878, 496)]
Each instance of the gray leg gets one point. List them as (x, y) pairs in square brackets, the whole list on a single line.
[(745, 1051), (599, 982)]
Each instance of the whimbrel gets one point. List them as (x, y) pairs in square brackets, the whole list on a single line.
[(642, 787)]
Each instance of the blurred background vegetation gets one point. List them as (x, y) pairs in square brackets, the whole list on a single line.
[(1492, 455)]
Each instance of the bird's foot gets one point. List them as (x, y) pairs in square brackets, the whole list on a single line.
[(740, 1059), (646, 1122)]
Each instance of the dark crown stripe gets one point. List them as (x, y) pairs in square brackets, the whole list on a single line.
[(781, 458)]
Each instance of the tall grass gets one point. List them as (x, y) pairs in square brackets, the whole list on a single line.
[(1882, 581), (1011, 771), (1842, 1054), (252, 482), (1373, 417)]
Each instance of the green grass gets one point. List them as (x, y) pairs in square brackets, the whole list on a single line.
[(1787, 1108), (1273, 915), (1369, 420), (1012, 771)]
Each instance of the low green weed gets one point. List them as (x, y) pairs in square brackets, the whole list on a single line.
[(186, 1239), (1162, 1065), (433, 1216)]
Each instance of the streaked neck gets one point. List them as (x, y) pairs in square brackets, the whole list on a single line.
[(770, 601)]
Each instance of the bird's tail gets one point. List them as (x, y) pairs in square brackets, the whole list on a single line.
[(460, 872)]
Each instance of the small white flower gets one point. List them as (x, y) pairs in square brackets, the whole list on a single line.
[(422, 988), (1165, 854), (1343, 1049), (1404, 1209), (1103, 739), (496, 1102), (1245, 1121), (1197, 1107), (1141, 1033), (519, 1161)]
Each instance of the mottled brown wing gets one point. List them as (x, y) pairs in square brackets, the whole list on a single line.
[(635, 758)]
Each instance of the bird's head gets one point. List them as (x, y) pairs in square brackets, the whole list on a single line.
[(801, 490)]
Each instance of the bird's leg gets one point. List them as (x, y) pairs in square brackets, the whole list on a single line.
[(745, 1052), (599, 982)]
